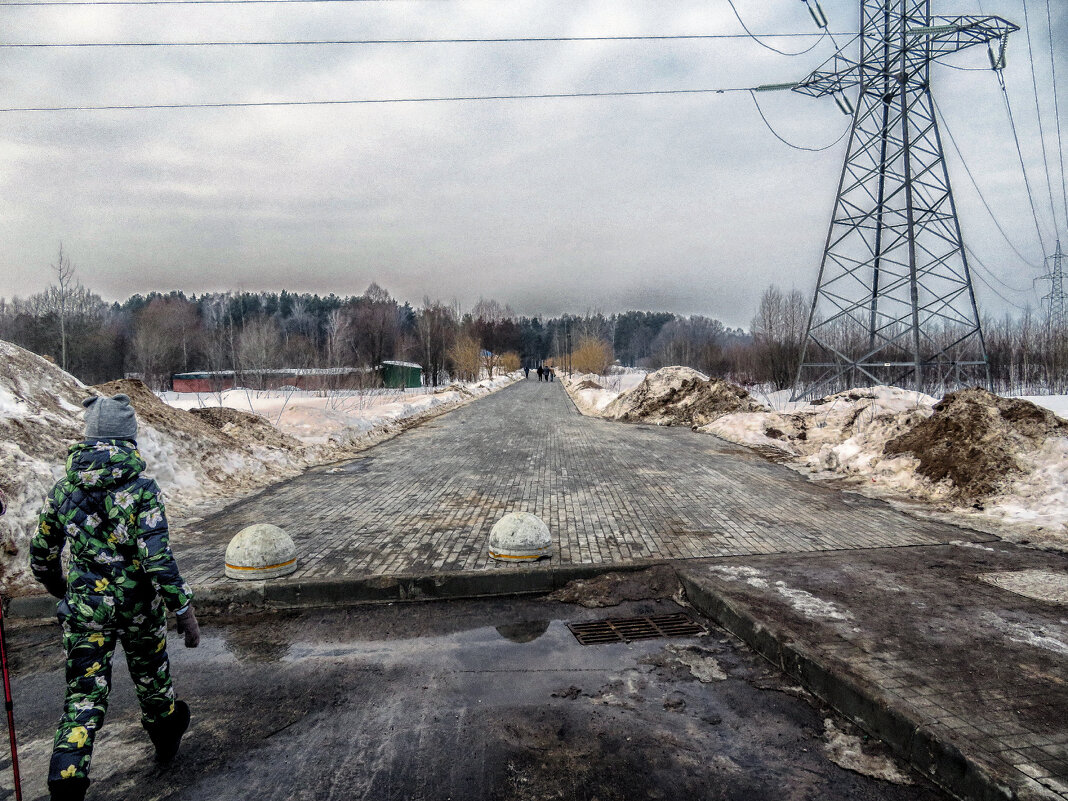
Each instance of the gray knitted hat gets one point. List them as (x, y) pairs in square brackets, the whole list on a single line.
[(109, 418)]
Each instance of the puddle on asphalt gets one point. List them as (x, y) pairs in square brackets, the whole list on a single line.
[(512, 645), (523, 642), (497, 699), (524, 632)]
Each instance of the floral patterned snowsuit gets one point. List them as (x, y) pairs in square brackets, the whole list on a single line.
[(121, 580)]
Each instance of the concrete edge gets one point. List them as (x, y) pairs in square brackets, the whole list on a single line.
[(233, 595), (867, 706), (521, 580)]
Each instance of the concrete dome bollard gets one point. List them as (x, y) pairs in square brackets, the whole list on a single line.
[(260, 551), (519, 537)]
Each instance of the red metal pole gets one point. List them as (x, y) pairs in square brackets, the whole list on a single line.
[(10, 707)]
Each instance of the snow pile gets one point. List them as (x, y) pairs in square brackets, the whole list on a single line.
[(976, 455), (977, 440), (679, 396), (245, 426), (842, 434), (40, 409), (592, 393), (860, 754)]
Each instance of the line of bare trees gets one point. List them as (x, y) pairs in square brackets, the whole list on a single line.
[(158, 335)]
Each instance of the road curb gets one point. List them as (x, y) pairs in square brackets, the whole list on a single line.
[(234, 595), (863, 703)]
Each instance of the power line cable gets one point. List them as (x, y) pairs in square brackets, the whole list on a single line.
[(991, 274), (1023, 166), (962, 69), (776, 134), (178, 2), (1038, 113), (977, 262), (765, 45), (374, 101), (979, 191), (1057, 113), (308, 42)]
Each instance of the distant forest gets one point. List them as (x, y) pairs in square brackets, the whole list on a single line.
[(158, 335)]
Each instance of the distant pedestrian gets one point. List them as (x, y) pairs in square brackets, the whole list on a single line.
[(551, 373), (541, 373), (526, 371), (121, 581)]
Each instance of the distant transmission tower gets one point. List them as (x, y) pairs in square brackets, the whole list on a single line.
[(1057, 318), (894, 301)]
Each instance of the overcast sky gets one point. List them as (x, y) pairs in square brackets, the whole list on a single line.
[(684, 203)]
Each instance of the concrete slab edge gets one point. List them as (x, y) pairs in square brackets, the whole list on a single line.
[(867, 706), (533, 579)]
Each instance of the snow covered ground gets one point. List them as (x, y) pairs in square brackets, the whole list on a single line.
[(335, 418), (843, 437)]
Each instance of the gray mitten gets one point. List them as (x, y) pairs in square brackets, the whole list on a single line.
[(187, 625)]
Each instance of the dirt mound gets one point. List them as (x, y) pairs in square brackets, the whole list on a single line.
[(974, 439), (249, 428), (680, 396), (587, 384), (150, 409), (612, 589)]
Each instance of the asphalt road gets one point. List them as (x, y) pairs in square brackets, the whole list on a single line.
[(470, 700)]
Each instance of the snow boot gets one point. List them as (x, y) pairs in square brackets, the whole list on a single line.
[(68, 789), (167, 733)]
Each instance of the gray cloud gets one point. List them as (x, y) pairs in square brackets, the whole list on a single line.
[(685, 203)]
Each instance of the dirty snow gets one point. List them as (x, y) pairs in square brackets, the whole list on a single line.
[(199, 460), (847, 751), (1035, 636), (1042, 585), (808, 604), (674, 396), (701, 664), (592, 393), (801, 600)]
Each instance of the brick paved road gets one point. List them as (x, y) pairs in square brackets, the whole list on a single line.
[(611, 493)]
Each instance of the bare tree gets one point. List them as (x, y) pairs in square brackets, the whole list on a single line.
[(258, 346), (62, 291), (464, 355), (375, 326), (435, 326), (593, 355), (778, 334)]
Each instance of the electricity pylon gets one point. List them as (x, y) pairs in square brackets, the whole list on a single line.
[(894, 301), (1057, 317)]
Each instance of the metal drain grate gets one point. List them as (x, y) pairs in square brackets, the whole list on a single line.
[(629, 629)]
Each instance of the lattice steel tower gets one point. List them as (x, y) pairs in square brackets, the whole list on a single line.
[(1057, 318), (894, 301)]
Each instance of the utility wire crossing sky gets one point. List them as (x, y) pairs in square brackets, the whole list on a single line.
[(319, 145)]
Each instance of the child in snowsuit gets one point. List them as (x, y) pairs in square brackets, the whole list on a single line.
[(121, 582)]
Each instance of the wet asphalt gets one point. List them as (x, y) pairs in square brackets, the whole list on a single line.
[(490, 699)]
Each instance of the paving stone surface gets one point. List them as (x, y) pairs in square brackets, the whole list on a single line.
[(611, 493), (889, 603), (976, 666)]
